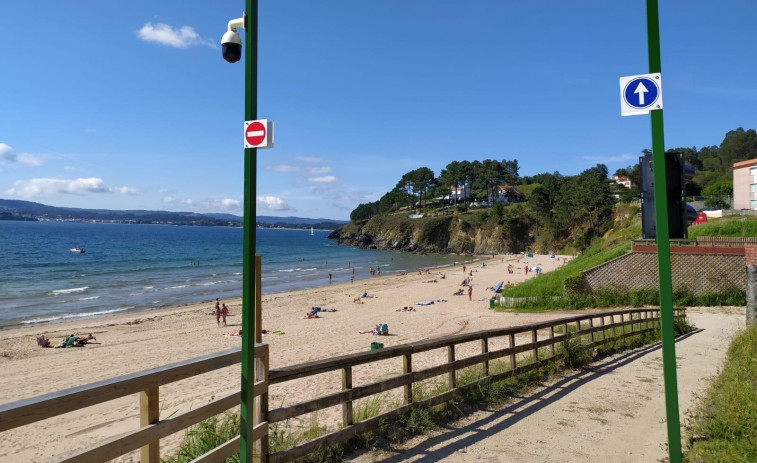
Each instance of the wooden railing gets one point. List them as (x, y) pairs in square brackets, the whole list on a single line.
[(594, 329), (598, 329), (152, 428)]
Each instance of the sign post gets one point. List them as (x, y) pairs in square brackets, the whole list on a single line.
[(249, 275), (642, 94), (663, 247)]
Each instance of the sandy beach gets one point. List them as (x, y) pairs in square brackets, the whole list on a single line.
[(133, 342)]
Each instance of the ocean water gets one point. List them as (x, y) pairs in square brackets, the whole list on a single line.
[(141, 267)]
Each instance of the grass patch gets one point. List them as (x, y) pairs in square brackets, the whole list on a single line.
[(629, 298), (725, 428)]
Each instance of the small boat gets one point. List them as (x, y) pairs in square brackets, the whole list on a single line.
[(77, 250)]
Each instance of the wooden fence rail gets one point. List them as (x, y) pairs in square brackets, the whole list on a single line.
[(593, 329), (613, 326)]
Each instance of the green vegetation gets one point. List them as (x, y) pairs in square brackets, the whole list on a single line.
[(725, 429), (736, 226), (546, 212), (567, 281)]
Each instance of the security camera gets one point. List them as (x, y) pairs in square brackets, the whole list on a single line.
[(231, 44), (231, 47)]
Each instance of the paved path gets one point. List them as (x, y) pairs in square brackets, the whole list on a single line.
[(613, 411)]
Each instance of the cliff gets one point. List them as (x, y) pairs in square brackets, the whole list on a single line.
[(445, 234)]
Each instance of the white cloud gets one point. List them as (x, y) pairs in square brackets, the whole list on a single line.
[(612, 159), (126, 190), (324, 179), (285, 168), (164, 34), (309, 159), (229, 203), (49, 187), (320, 170), (272, 203), (6, 152), (178, 202), (29, 159)]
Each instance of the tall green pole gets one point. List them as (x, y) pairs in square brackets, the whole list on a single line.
[(663, 247), (249, 279)]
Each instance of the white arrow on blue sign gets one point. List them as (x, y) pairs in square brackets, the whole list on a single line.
[(640, 94)]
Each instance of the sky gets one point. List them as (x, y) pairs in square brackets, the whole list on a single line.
[(129, 104)]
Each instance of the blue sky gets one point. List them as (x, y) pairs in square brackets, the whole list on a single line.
[(129, 105)]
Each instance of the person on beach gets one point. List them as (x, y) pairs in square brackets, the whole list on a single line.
[(218, 314), (224, 313), (470, 293), (218, 304), (526, 269), (329, 277)]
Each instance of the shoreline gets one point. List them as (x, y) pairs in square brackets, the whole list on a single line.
[(134, 311), (131, 342)]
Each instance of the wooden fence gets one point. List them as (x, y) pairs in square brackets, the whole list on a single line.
[(593, 329)]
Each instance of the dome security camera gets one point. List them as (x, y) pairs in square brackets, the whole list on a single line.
[(231, 44), (231, 47)]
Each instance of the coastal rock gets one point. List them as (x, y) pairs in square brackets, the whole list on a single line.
[(448, 234)]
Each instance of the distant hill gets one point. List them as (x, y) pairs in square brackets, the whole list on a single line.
[(11, 209)]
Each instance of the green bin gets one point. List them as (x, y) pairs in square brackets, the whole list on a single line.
[(376, 346), (491, 303), (530, 255)]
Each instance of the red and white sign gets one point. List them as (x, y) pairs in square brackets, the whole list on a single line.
[(258, 134)]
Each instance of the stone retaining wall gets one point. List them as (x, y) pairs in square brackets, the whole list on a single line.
[(695, 269)]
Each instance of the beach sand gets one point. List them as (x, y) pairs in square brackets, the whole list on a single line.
[(138, 341)]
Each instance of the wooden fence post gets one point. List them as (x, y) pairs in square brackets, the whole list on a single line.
[(551, 336), (407, 367), (260, 415), (149, 413), (484, 350), (451, 382), (602, 324), (347, 405), (535, 351), (591, 325), (512, 356)]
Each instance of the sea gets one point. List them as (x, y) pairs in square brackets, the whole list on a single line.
[(131, 268)]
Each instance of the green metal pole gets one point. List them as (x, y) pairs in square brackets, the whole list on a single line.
[(249, 279), (663, 247)]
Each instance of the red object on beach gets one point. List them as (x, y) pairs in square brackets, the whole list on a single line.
[(701, 218)]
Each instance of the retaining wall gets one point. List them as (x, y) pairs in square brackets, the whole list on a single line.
[(699, 269)]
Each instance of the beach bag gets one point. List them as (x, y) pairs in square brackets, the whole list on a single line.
[(384, 329)]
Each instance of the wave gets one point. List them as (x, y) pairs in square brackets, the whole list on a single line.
[(177, 287), (72, 315), (70, 290), (89, 298)]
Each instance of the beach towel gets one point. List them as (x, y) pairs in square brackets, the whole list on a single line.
[(424, 303)]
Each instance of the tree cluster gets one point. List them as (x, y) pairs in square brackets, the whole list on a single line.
[(420, 187)]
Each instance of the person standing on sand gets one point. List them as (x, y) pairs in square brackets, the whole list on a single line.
[(218, 304), (329, 277), (224, 312), (218, 315), (470, 293)]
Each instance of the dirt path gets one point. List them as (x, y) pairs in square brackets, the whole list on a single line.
[(613, 411)]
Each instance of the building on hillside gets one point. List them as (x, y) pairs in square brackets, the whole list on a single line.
[(458, 194), (621, 180), (745, 184)]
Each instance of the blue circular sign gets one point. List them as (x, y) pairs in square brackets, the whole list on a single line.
[(641, 93)]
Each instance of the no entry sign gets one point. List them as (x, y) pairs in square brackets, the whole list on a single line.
[(258, 134)]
